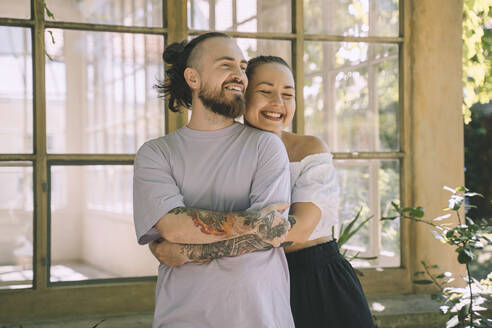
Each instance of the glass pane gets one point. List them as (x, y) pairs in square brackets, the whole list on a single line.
[(352, 17), (16, 219), (123, 12), (15, 9), (240, 15), (351, 95), (15, 90), (370, 186), (99, 91), (92, 231), (257, 47)]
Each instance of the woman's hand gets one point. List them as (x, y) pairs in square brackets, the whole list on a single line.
[(271, 226)]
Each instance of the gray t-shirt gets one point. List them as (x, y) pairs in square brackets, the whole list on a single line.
[(235, 168)]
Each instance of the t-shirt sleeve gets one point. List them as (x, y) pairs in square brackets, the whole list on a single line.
[(271, 181), (318, 184), (155, 192)]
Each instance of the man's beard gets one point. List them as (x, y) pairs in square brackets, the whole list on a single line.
[(218, 103)]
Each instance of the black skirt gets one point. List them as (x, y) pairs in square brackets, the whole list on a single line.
[(325, 291)]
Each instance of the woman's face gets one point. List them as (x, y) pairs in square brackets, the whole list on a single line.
[(270, 97)]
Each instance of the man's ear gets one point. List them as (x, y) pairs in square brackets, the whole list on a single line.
[(192, 77)]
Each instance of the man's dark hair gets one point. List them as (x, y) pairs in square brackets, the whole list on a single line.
[(177, 55), (253, 63)]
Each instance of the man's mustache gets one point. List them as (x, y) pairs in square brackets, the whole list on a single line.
[(234, 80)]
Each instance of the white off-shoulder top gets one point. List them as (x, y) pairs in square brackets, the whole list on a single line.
[(314, 180)]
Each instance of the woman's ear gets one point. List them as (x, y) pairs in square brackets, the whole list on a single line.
[(192, 77)]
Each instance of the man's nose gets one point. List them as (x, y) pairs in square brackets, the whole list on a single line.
[(240, 74)]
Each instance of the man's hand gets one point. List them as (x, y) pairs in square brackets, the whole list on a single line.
[(271, 226), (167, 253)]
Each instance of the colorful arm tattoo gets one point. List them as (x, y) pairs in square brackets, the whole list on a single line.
[(209, 222), (267, 225), (232, 247), (236, 246)]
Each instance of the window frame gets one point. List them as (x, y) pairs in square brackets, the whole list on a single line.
[(100, 297)]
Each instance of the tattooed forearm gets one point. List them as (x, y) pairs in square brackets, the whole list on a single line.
[(209, 222), (232, 247), (292, 220), (229, 224), (268, 224)]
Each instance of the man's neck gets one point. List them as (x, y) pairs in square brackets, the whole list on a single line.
[(204, 119)]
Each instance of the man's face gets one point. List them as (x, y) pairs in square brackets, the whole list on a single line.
[(223, 79)]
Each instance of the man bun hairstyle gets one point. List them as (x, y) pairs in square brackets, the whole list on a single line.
[(177, 55), (253, 63)]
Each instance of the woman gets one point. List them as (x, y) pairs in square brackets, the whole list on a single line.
[(325, 291)]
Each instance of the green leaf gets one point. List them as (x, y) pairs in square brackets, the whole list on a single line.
[(52, 37), (461, 188), (396, 207), (417, 212), (463, 312), (48, 11), (450, 234), (350, 234), (369, 258), (345, 233), (464, 257), (422, 282)]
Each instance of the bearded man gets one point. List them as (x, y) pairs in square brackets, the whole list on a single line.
[(215, 193)]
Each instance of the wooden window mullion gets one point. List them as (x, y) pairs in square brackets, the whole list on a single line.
[(40, 178), (298, 64)]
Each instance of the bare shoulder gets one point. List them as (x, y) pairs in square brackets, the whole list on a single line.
[(313, 145), (303, 146)]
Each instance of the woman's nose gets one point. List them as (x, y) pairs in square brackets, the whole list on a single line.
[(276, 98)]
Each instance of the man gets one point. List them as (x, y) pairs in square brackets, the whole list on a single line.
[(214, 190)]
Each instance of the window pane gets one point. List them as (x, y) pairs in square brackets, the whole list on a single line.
[(15, 90), (352, 17), (16, 219), (92, 231), (15, 9), (99, 91), (243, 15), (256, 47), (370, 186), (351, 95), (124, 12)]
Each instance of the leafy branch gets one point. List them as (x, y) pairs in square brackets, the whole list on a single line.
[(462, 305)]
